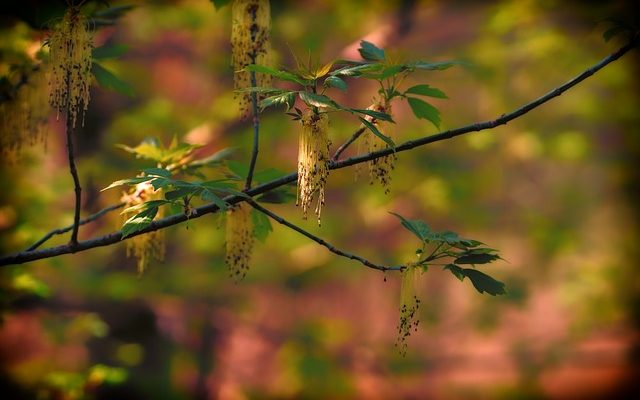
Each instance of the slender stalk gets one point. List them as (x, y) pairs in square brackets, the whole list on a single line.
[(72, 167), (115, 237), (348, 143), (60, 231), (322, 242), (256, 131)]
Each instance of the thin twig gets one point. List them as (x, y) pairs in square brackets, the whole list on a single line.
[(60, 231), (322, 242), (114, 237), (346, 144), (72, 166), (256, 131)]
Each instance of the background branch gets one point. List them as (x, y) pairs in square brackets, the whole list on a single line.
[(60, 231), (322, 242), (346, 144), (115, 237)]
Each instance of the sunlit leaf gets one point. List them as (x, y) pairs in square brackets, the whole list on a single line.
[(139, 222), (318, 100)]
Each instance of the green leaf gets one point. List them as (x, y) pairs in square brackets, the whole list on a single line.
[(391, 71), (336, 82), (109, 81), (282, 75), (104, 52), (208, 195), (484, 283), (379, 134), (318, 100), (218, 4), (374, 114), (261, 225), (477, 258), (268, 175), (434, 66), (417, 227), (370, 51), (138, 222), (287, 99), (455, 270), (213, 159), (358, 70), (423, 110), (181, 192), (426, 90), (614, 31), (158, 172)]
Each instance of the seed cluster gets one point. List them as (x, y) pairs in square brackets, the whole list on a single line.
[(71, 44), (409, 306), (239, 241), (149, 246), (313, 161), (250, 29), (23, 119), (380, 168)]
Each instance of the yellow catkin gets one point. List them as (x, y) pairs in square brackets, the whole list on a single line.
[(149, 246), (250, 44), (313, 161), (409, 306), (70, 52), (379, 169), (23, 119), (239, 240)]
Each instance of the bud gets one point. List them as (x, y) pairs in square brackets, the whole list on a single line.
[(250, 29), (70, 52), (313, 161), (409, 305), (239, 240), (148, 246), (380, 168)]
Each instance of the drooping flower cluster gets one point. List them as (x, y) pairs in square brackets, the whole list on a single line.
[(23, 119), (239, 240), (148, 246), (380, 168), (313, 161), (70, 51), (409, 306), (250, 44)]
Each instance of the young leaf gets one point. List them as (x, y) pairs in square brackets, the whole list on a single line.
[(376, 132), (108, 80), (129, 181), (484, 283), (138, 222), (318, 100), (476, 258), (417, 227), (138, 208), (434, 66), (455, 270), (282, 75), (426, 90), (423, 110), (374, 114), (157, 172), (287, 99), (370, 51), (391, 71), (261, 225), (334, 81)]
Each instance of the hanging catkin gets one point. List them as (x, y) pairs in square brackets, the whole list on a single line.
[(250, 29), (380, 168), (239, 240)]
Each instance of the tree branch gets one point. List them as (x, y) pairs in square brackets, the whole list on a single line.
[(115, 237), (72, 166), (321, 242), (346, 144), (60, 231)]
